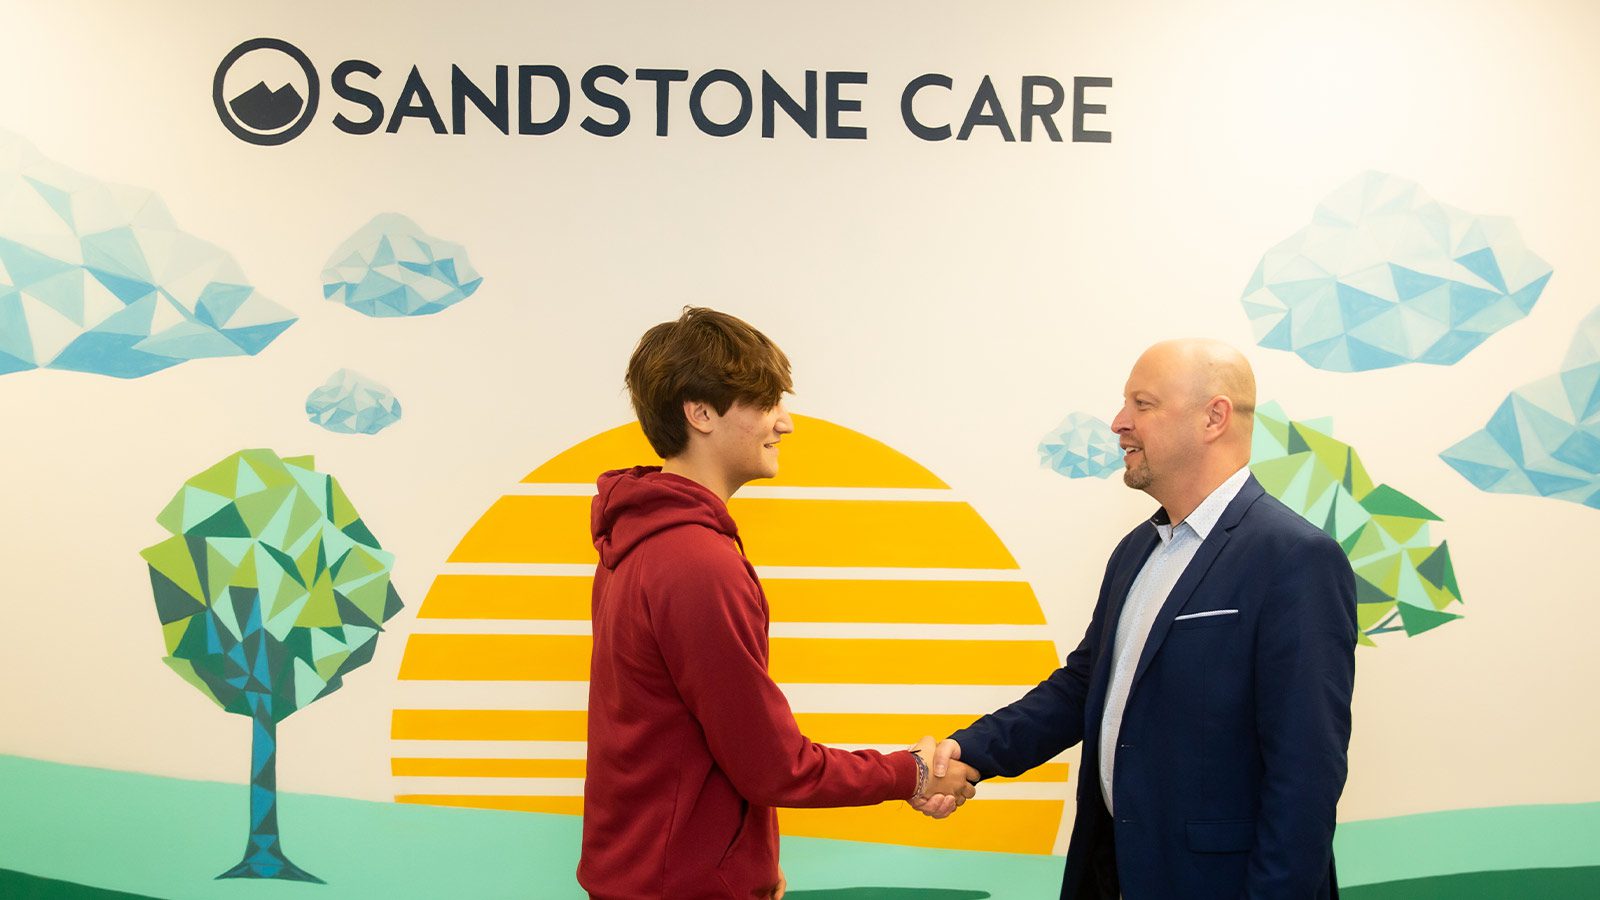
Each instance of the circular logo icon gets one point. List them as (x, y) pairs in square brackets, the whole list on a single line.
[(265, 91)]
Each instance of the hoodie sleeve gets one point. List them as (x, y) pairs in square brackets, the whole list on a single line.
[(710, 624)]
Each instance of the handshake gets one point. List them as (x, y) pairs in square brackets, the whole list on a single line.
[(943, 782)]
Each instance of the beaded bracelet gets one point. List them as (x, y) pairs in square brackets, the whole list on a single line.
[(922, 775)]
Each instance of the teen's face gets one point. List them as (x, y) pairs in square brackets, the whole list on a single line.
[(747, 440)]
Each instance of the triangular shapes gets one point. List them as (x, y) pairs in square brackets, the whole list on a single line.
[(1418, 619), (1382, 531), (252, 650), (1386, 501), (1383, 275)]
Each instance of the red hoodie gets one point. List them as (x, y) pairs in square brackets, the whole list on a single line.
[(691, 743)]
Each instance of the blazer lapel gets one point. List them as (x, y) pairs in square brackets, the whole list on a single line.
[(1192, 576)]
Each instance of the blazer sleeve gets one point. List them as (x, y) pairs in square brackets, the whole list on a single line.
[(1047, 719), (1304, 678), (1031, 731), (710, 625)]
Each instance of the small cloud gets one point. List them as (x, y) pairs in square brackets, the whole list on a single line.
[(391, 267), (350, 403), (1082, 446)]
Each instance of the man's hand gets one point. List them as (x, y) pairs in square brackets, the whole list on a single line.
[(949, 780), (943, 754), (783, 886)]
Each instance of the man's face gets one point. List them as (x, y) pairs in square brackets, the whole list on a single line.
[(1159, 426), (746, 440)]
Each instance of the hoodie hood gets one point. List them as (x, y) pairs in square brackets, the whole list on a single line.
[(634, 504)]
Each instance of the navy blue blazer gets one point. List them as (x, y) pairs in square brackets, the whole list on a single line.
[(1231, 756)]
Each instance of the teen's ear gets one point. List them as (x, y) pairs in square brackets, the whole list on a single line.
[(699, 415)]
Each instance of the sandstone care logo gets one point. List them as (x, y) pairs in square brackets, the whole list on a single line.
[(266, 91)]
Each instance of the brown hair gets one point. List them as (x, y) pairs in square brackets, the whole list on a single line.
[(706, 356)]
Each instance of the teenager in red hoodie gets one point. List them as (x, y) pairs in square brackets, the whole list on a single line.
[(691, 743)]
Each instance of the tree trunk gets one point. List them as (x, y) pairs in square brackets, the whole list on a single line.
[(263, 854)]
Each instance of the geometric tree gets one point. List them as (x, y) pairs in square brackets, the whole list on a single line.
[(270, 589), (1404, 582)]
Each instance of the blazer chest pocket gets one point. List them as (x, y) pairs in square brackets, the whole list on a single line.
[(1209, 618), (1222, 836)]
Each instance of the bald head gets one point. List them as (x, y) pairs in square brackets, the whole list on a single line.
[(1203, 369)]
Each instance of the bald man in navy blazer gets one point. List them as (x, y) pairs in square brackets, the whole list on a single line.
[(1212, 688)]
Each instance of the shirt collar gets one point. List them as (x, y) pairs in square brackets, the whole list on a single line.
[(1205, 516)]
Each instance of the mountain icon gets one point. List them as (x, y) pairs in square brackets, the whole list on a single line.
[(267, 110)]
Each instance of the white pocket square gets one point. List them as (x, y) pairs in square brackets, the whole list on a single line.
[(1209, 612)]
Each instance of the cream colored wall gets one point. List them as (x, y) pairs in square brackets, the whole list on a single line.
[(954, 300)]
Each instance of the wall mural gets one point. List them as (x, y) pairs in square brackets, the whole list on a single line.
[(270, 590), (351, 403), (1385, 275), (391, 267), (97, 277), (1544, 438), (851, 537), (1082, 446), (1403, 582)]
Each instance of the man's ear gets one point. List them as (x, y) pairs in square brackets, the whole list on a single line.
[(1219, 415), (699, 415)]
